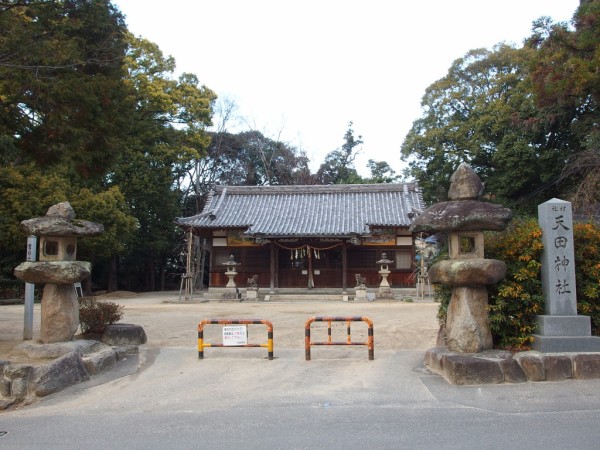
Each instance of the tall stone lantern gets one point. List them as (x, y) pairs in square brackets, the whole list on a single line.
[(58, 268), (464, 217)]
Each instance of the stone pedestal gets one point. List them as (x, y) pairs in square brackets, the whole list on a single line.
[(467, 326), (60, 306), (565, 334), (60, 313), (360, 294), (231, 294), (231, 282), (251, 293)]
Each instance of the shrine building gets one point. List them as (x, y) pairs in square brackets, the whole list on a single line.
[(309, 236)]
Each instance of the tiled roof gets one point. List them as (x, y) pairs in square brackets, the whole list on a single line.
[(308, 211)]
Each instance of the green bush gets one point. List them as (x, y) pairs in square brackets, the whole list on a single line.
[(95, 315), (587, 272), (515, 301)]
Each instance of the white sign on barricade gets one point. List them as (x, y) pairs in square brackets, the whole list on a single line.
[(235, 335)]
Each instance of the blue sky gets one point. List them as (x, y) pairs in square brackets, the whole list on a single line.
[(299, 71)]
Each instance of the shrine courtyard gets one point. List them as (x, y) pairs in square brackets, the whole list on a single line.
[(168, 322)]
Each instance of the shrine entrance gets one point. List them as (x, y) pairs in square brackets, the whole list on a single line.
[(310, 265)]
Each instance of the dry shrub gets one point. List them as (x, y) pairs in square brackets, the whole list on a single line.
[(95, 315)]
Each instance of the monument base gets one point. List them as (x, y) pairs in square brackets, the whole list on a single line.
[(360, 295), (564, 325), (556, 344), (231, 294), (385, 293), (565, 334)]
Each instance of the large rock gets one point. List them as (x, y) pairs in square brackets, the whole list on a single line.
[(57, 272), (19, 377), (461, 369), (60, 313), (557, 367), (34, 350), (465, 184), (532, 366), (4, 388), (100, 361), (61, 373), (465, 272), (464, 215), (512, 371), (467, 324), (124, 334), (435, 357), (586, 366), (63, 209)]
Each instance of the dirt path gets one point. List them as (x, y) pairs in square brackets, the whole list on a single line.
[(397, 325)]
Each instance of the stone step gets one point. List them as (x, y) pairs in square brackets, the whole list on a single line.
[(303, 297)]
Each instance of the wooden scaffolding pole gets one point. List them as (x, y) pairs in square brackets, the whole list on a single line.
[(187, 279)]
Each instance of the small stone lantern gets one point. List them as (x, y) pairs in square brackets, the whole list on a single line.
[(231, 272), (58, 268), (384, 287), (231, 291)]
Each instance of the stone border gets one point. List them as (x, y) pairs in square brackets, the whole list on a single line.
[(55, 367), (499, 366)]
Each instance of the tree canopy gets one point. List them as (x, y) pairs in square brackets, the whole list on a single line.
[(62, 96), (525, 118), (338, 166)]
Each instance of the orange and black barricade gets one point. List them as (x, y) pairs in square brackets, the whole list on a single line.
[(202, 344), (370, 339)]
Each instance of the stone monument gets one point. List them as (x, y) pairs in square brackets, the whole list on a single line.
[(360, 290), (560, 329), (252, 289), (465, 217), (58, 268)]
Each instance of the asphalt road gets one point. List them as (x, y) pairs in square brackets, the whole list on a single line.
[(338, 400)]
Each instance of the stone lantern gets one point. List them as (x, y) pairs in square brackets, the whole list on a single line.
[(58, 268), (231, 271), (465, 217), (384, 270)]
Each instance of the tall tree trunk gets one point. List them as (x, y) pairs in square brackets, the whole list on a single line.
[(111, 282), (150, 275), (86, 286), (200, 254)]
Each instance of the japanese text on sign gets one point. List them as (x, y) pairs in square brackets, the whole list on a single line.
[(235, 335)]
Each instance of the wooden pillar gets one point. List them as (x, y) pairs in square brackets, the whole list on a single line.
[(311, 280), (273, 271), (344, 267)]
